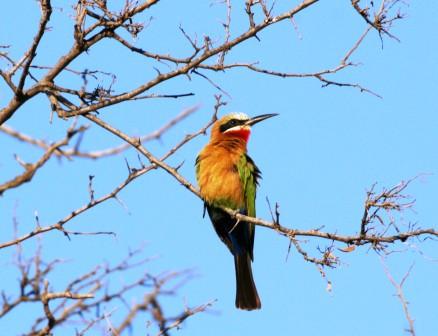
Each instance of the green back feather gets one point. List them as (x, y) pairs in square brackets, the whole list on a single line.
[(248, 173)]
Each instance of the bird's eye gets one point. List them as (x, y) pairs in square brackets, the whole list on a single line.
[(230, 124)]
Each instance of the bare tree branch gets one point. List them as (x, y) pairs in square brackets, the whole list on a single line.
[(400, 294), (31, 169), (76, 152), (46, 9), (381, 22), (183, 316)]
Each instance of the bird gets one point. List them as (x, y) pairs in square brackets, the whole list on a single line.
[(228, 177)]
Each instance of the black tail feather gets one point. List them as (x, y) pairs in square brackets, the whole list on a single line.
[(246, 291)]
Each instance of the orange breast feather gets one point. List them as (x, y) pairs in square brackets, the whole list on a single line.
[(218, 177)]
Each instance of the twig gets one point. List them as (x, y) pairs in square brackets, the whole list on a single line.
[(31, 169), (400, 294), (185, 315), (46, 9), (76, 152)]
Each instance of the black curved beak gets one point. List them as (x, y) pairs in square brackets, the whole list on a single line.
[(259, 118)]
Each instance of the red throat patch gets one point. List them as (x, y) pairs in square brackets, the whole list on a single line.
[(241, 133)]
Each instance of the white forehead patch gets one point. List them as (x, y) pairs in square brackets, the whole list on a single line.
[(239, 116)]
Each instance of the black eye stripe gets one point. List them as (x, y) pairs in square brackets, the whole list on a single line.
[(231, 123)]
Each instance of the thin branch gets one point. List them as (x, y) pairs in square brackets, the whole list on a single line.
[(59, 224), (46, 9), (212, 83), (320, 75), (400, 294), (381, 22), (76, 152), (31, 169), (185, 315)]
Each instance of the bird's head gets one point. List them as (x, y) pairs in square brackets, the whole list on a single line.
[(236, 125)]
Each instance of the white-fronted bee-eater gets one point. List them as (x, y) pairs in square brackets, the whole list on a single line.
[(227, 177)]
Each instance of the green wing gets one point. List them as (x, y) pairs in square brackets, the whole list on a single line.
[(249, 175), (197, 164)]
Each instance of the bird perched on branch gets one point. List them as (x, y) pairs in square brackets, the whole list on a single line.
[(228, 177)]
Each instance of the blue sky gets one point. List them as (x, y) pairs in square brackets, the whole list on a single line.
[(318, 158)]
